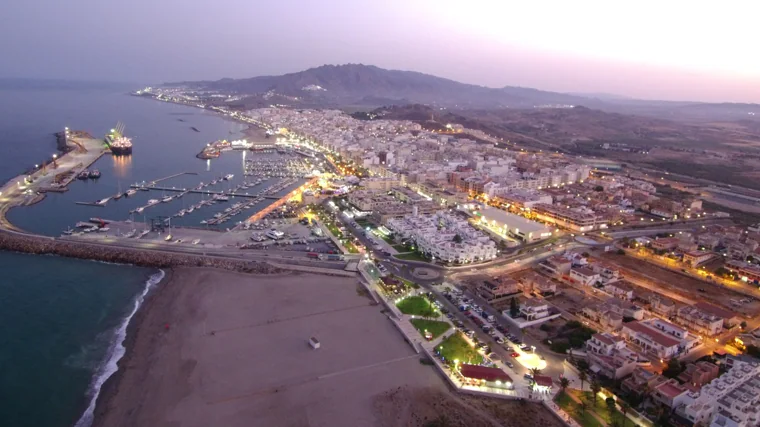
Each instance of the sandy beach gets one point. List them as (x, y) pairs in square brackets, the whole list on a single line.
[(212, 347)]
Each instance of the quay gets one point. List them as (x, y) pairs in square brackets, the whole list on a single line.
[(211, 193)]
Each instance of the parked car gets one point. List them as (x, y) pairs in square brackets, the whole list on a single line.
[(515, 354)]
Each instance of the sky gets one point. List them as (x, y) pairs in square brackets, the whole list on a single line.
[(676, 50)]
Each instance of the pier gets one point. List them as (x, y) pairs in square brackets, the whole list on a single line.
[(208, 192)]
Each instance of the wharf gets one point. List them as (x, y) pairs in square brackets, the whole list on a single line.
[(208, 192)]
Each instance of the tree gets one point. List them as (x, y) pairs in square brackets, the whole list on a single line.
[(457, 239), (583, 377), (595, 389), (620, 252), (514, 307), (583, 405), (598, 188), (743, 325), (535, 371), (673, 369), (564, 383), (586, 254), (610, 402)]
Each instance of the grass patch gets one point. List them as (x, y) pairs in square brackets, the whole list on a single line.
[(350, 247), (418, 306), (573, 334), (400, 248), (412, 256), (435, 327), (600, 407), (456, 347), (573, 409), (386, 238), (407, 283)]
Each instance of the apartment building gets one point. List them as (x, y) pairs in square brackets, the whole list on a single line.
[(696, 258), (670, 393), (609, 356), (583, 276), (661, 305), (557, 265), (538, 284), (731, 400), (662, 342), (699, 321), (380, 183), (642, 379), (730, 319), (621, 289), (580, 220), (533, 309), (698, 374), (665, 243)]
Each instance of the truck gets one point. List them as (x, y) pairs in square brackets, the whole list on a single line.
[(313, 255), (335, 257)]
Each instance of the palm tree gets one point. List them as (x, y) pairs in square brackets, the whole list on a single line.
[(583, 377), (583, 405), (564, 383), (610, 402), (535, 371), (595, 389)]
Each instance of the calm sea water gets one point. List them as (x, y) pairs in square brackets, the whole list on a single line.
[(61, 320)]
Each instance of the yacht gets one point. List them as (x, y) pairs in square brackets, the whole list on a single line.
[(131, 234), (85, 174), (152, 202), (204, 222), (167, 199), (229, 177), (143, 234), (131, 192), (168, 238), (196, 241), (218, 215), (140, 209), (222, 198), (68, 231), (190, 209), (94, 174), (102, 202)]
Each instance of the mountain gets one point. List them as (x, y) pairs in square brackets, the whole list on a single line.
[(357, 84)]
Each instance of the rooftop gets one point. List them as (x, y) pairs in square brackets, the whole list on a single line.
[(654, 334), (484, 373)]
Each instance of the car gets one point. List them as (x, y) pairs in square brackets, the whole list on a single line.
[(510, 364), (495, 357), (515, 354), (492, 333), (500, 340), (528, 376), (523, 346)]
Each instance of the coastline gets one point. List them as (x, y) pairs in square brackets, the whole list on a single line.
[(110, 386), (88, 415)]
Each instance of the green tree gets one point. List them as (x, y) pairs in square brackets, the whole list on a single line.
[(624, 408), (598, 188), (514, 307), (610, 402), (564, 383), (457, 239), (620, 252), (743, 325), (595, 389), (535, 371), (673, 369)]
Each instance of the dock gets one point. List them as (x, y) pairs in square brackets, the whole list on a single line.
[(207, 192)]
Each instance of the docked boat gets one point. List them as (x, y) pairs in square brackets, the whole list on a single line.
[(168, 238), (117, 142), (68, 231), (204, 221), (196, 241), (85, 174), (167, 199), (143, 234), (229, 177), (152, 202), (190, 209), (131, 192), (140, 209), (130, 234), (103, 229), (102, 202), (94, 174), (222, 198)]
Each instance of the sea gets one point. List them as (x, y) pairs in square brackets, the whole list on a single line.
[(62, 321)]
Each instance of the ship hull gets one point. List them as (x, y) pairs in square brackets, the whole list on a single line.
[(121, 151)]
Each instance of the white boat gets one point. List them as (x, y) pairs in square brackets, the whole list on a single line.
[(196, 241), (222, 198), (83, 224), (190, 209), (131, 234), (68, 231), (152, 202), (131, 192), (167, 199), (229, 177), (102, 202), (218, 215), (168, 238), (143, 234), (140, 209), (204, 222), (103, 229)]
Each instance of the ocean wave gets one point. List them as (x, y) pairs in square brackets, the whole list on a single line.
[(114, 354)]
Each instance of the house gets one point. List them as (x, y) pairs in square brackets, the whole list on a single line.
[(665, 244), (499, 288), (642, 379), (607, 273), (698, 374), (557, 265), (621, 289), (583, 276), (601, 314), (670, 393), (538, 284), (625, 308), (730, 319), (661, 305), (696, 258), (652, 341), (485, 376), (699, 321), (533, 309), (609, 356)]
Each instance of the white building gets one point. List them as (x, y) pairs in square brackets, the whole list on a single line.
[(731, 400), (507, 224), (533, 309), (659, 338)]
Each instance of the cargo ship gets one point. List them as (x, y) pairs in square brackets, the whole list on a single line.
[(118, 143)]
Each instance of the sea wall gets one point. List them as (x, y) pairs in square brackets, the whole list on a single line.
[(45, 245)]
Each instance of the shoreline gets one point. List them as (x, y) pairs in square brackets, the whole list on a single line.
[(110, 386), (87, 418)]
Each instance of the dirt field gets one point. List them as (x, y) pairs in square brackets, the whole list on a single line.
[(686, 287), (405, 407)]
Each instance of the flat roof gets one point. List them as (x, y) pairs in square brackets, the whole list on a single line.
[(513, 221), (654, 334)]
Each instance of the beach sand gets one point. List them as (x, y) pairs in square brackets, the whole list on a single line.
[(218, 348)]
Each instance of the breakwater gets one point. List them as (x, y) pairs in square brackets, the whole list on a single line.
[(40, 245)]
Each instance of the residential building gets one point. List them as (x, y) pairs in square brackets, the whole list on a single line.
[(642, 379), (493, 290), (557, 265), (732, 399), (661, 305), (651, 340), (538, 284), (699, 321), (601, 314), (696, 258), (509, 225), (670, 393), (533, 309), (665, 243), (730, 319), (583, 276), (609, 356), (378, 183), (621, 289), (698, 374), (580, 220)]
